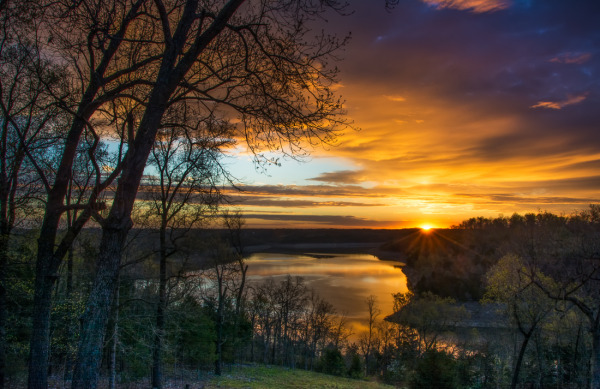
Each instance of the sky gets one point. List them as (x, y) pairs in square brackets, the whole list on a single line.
[(465, 108)]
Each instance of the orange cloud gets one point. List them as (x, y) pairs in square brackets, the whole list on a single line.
[(572, 58), (477, 6), (396, 98), (444, 103), (561, 104)]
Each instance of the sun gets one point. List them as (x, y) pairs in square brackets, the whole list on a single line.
[(426, 227)]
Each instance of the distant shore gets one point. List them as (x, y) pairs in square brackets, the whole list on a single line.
[(327, 248)]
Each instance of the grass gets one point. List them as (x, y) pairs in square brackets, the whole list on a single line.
[(271, 377)]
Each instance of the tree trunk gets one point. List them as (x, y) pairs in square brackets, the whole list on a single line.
[(39, 348), (70, 272), (48, 261), (160, 314), (3, 306), (69, 291), (95, 317), (219, 359), (114, 232), (596, 356), (112, 377), (238, 305), (220, 314), (515, 377)]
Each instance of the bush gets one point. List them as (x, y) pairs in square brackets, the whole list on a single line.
[(332, 362), (436, 369), (356, 368)]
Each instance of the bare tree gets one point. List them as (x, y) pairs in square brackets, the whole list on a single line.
[(234, 224), (278, 309), (86, 50), (183, 193), (318, 327), (263, 316), (291, 298), (254, 62), (130, 63), (223, 274), (29, 129), (368, 339)]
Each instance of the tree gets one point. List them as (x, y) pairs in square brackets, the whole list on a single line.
[(132, 63), (276, 86), (574, 265), (332, 362), (369, 338), (223, 272), (19, 293), (182, 194), (355, 370), (388, 335), (290, 300), (234, 224), (318, 328), (28, 131), (428, 314), (86, 51), (278, 314), (508, 282), (435, 369)]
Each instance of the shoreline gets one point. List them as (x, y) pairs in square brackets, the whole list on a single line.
[(313, 249)]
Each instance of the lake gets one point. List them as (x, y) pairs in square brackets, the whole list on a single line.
[(344, 280)]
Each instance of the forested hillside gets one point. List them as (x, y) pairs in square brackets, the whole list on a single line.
[(539, 270), (542, 270)]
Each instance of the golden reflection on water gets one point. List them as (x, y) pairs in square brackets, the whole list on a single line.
[(344, 280)]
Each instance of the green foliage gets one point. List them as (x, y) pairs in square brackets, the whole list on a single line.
[(192, 333), (467, 365), (134, 333), (435, 369), (65, 326), (332, 362), (558, 354), (356, 367), (20, 279), (429, 314), (272, 377)]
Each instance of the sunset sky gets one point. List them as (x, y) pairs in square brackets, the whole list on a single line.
[(466, 108)]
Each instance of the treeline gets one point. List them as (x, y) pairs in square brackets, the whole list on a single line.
[(453, 262), (540, 302), (541, 274), (212, 317)]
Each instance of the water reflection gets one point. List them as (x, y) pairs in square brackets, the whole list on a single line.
[(344, 280)]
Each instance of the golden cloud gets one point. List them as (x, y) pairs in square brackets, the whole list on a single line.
[(396, 98), (477, 6), (561, 104)]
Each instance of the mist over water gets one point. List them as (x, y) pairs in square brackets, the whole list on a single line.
[(344, 280)]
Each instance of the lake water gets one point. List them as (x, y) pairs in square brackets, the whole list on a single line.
[(344, 280)]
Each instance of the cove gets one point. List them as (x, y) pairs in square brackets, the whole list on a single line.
[(344, 280)]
